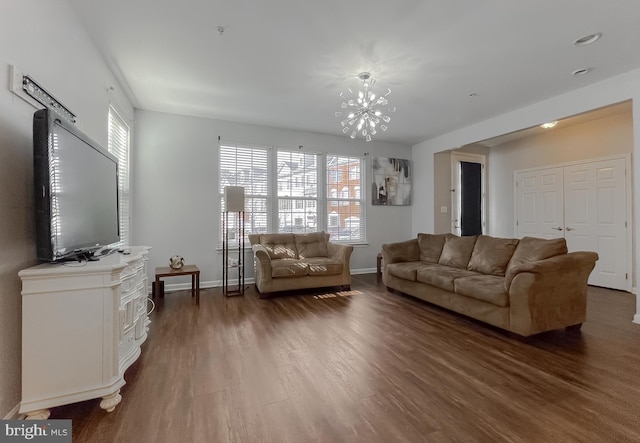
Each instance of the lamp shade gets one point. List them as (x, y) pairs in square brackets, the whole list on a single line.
[(234, 198)]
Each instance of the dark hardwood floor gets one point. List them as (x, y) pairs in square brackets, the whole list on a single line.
[(370, 367)]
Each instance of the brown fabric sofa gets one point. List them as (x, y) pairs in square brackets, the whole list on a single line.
[(284, 262), (525, 286)]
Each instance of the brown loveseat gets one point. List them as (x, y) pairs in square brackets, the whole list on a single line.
[(525, 286), (299, 261)]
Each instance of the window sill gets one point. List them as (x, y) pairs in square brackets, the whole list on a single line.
[(359, 244)]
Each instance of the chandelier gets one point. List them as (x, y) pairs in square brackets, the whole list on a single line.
[(362, 111)]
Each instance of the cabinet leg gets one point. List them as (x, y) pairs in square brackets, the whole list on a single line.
[(109, 402), (40, 414)]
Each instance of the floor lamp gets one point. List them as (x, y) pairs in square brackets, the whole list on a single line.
[(233, 215)]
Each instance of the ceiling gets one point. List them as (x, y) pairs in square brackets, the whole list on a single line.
[(616, 109), (283, 63)]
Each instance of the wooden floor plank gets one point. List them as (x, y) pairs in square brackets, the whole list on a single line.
[(369, 366)]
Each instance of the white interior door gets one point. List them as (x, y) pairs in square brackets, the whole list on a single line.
[(595, 218), (540, 203)]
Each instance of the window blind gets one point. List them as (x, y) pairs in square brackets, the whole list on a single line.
[(246, 166), (297, 177), (118, 145), (345, 205), (286, 191)]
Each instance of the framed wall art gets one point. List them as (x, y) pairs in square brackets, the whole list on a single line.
[(391, 181)]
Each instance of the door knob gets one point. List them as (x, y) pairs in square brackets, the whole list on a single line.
[(557, 229)]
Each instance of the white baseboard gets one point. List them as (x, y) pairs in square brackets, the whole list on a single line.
[(13, 413), (203, 285), (363, 271), (249, 281)]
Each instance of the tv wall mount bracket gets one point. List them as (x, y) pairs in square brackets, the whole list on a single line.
[(25, 87)]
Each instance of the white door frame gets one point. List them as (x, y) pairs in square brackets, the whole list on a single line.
[(629, 199), (456, 158)]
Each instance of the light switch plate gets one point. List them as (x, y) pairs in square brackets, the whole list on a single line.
[(443, 209)]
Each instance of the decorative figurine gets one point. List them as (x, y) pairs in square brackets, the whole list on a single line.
[(176, 262)]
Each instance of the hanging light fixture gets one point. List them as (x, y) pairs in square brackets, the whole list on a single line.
[(362, 111)]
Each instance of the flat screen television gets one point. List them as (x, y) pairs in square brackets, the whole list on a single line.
[(76, 191)]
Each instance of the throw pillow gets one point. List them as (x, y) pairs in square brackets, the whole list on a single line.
[(533, 249), (313, 244), (431, 246), (457, 251), (491, 255), (279, 245)]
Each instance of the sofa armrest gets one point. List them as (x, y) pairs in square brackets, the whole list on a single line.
[(263, 260), (401, 251), (549, 294), (556, 266), (340, 252)]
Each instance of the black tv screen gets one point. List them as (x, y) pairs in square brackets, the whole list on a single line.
[(76, 190)]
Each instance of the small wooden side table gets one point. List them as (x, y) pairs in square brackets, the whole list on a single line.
[(166, 271)]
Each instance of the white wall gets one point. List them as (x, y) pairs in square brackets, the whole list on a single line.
[(442, 192), (594, 139), (614, 90), (175, 180), (442, 186), (45, 40)]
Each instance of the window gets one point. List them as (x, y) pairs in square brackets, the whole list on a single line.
[(346, 222), (246, 166), (284, 205), (297, 202), (333, 194), (335, 176), (334, 220), (295, 191), (118, 145)]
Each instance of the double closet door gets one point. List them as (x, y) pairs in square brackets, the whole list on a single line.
[(587, 204)]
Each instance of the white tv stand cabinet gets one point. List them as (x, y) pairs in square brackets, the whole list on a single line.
[(82, 327)]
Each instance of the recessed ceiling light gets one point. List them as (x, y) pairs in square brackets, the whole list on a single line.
[(581, 71), (587, 39), (549, 125)]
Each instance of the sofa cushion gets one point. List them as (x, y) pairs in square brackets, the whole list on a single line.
[(405, 251), (491, 255), (441, 276), (457, 251), (313, 244), (288, 267), (533, 249), (406, 270), (323, 266), (489, 288), (279, 245), (431, 246)]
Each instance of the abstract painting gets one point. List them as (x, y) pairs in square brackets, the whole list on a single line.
[(391, 181)]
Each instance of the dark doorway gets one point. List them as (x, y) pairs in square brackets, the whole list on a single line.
[(471, 198)]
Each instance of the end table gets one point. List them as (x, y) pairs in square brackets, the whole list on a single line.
[(166, 271)]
